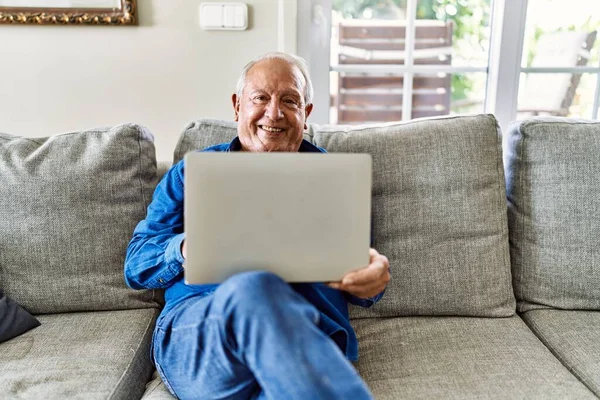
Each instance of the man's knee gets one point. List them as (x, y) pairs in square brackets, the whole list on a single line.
[(260, 299), (252, 281), (252, 288)]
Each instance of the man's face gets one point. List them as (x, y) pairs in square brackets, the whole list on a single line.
[(271, 112)]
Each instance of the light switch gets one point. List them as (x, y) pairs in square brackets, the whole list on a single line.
[(229, 16), (211, 16), (240, 17)]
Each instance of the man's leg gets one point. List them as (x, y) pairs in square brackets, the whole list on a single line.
[(265, 334), (192, 357)]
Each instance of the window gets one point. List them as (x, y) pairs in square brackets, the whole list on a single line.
[(392, 60), (559, 74)]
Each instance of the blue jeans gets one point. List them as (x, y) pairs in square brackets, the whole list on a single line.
[(253, 338)]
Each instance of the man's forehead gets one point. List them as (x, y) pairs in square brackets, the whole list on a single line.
[(265, 74), (273, 87)]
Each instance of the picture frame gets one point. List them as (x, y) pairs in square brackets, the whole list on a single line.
[(68, 12)]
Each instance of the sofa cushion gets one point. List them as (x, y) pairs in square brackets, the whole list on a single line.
[(203, 133), (14, 321), (553, 188), (439, 214), (460, 358), (68, 206), (439, 209), (574, 338), (94, 355), (156, 389)]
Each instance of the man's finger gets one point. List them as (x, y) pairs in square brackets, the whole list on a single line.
[(335, 285), (371, 281), (366, 275), (362, 277), (365, 290)]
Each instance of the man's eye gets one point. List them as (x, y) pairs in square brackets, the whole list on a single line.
[(290, 101), (261, 98)]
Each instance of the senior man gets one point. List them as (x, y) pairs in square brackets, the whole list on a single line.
[(254, 335)]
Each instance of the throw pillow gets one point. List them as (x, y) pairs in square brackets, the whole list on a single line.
[(14, 320)]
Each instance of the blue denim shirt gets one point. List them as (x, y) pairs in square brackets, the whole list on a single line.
[(154, 259)]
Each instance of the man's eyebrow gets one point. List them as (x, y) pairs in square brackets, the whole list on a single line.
[(255, 91), (291, 93)]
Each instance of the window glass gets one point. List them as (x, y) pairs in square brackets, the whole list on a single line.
[(468, 93), (367, 34), (468, 28), (564, 94), (367, 97), (559, 34)]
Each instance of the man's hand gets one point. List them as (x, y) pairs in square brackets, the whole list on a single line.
[(368, 281)]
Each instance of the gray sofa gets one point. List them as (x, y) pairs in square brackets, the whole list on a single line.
[(495, 289)]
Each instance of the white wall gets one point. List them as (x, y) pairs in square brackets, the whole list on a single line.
[(162, 74)]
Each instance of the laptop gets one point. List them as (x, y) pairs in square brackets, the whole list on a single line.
[(303, 216)]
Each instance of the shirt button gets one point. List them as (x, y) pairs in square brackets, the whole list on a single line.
[(161, 280)]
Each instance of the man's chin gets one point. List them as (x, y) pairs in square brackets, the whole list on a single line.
[(260, 143), (272, 148), (270, 144)]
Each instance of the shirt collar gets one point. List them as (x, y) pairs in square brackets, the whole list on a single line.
[(305, 146), (235, 145)]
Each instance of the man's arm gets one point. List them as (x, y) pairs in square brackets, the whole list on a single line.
[(154, 257), (366, 286)]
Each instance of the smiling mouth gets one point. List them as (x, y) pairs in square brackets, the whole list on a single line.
[(270, 129)]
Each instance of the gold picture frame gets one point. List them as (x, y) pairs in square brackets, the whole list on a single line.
[(125, 15)]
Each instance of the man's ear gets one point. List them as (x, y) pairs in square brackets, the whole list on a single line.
[(307, 111), (236, 105)]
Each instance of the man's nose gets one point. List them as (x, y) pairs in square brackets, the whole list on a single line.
[(274, 110)]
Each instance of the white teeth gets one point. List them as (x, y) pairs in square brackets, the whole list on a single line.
[(269, 129)]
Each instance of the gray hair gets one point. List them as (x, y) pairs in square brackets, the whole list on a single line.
[(293, 60)]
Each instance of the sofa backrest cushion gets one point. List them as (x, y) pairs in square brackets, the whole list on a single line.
[(203, 133), (439, 214), (68, 206), (553, 188), (439, 210)]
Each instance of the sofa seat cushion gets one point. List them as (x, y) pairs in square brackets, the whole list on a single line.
[(460, 358), (156, 389), (93, 355), (574, 338), (553, 187), (68, 206)]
